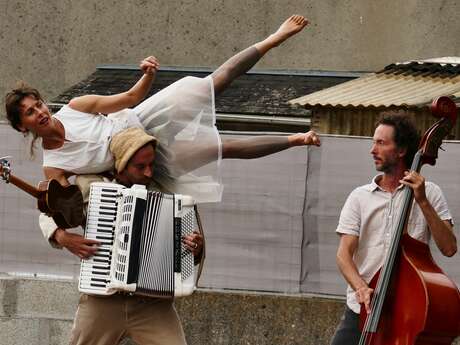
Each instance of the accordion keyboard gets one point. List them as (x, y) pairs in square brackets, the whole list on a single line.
[(100, 225)]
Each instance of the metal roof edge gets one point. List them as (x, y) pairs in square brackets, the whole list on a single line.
[(274, 119), (295, 72), (360, 106)]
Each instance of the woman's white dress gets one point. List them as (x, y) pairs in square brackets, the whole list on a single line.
[(182, 118)]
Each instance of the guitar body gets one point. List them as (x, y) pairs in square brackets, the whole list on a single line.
[(63, 204)]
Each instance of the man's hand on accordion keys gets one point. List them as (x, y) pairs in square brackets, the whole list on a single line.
[(194, 243), (76, 244)]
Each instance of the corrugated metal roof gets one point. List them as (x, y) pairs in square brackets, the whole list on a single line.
[(410, 84)]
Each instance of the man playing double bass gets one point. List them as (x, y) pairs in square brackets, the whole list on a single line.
[(370, 211)]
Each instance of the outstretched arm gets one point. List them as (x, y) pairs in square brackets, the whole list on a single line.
[(261, 146), (95, 104), (245, 60)]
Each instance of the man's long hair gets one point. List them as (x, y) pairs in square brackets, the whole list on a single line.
[(406, 135)]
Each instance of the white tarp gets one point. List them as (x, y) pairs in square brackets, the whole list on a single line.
[(273, 231)]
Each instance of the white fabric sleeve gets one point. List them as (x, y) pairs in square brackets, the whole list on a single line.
[(48, 228), (350, 216), (436, 198)]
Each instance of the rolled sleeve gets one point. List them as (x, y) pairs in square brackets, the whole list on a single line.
[(48, 228), (438, 201), (350, 216)]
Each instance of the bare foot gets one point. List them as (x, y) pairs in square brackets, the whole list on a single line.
[(290, 27)]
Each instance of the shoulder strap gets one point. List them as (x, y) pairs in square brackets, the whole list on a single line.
[(203, 251)]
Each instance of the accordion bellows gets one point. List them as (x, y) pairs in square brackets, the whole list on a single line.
[(141, 249)]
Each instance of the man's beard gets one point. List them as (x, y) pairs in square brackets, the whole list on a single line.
[(386, 167)]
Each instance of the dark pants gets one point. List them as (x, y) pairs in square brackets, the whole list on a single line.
[(347, 332)]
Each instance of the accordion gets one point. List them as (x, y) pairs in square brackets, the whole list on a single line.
[(140, 234)]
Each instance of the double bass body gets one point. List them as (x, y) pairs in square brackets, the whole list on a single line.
[(423, 305)]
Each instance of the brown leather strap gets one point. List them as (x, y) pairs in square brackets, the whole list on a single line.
[(203, 250)]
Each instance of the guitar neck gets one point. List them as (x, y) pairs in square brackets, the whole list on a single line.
[(24, 186)]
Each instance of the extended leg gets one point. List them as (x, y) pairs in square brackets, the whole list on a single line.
[(245, 60)]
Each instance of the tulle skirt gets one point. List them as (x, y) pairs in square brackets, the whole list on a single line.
[(189, 152)]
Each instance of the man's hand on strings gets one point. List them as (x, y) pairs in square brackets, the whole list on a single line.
[(363, 295), (415, 181)]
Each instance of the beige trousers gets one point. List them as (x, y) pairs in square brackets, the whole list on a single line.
[(107, 320)]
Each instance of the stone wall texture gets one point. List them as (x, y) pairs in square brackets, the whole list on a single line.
[(53, 44)]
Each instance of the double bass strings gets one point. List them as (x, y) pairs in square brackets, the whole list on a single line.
[(372, 320)]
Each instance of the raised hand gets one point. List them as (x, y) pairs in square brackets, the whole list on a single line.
[(149, 65), (290, 27)]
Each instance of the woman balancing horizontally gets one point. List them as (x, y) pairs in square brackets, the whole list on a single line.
[(76, 140)]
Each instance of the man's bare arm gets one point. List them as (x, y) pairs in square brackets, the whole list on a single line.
[(347, 248)]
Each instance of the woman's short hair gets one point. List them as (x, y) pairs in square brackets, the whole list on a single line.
[(13, 101)]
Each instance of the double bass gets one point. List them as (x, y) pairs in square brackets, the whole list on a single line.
[(414, 302)]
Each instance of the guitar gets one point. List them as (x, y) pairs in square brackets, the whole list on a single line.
[(63, 204)]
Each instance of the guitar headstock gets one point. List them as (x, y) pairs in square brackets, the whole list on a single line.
[(445, 109), (5, 168)]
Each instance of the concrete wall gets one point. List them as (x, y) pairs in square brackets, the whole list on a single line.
[(32, 313), (53, 44)]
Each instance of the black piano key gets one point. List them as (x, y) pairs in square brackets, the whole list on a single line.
[(101, 267), (105, 231), (106, 220), (99, 225), (99, 237), (102, 250), (110, 190), (99, 280), (97, 285), (100, 260), (107, 207)]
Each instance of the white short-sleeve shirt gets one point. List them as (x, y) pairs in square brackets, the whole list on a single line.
[(371, 214), (86, 149)]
